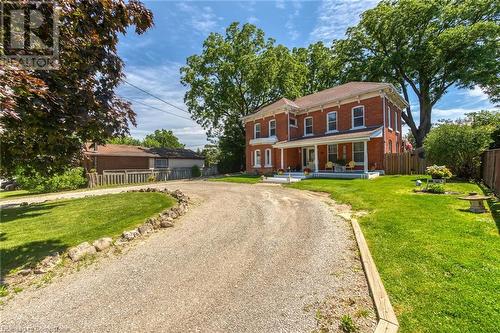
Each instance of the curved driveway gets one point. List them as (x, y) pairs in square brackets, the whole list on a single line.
[(245, 258)]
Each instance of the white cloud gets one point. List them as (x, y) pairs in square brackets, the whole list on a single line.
[(280, 4), (293, 33), (477, 93), (335, 16), (252, 19), (201, 19), (164, 82)]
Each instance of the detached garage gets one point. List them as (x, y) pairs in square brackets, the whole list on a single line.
[(125, 157)]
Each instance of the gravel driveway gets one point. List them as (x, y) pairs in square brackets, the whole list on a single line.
[(245, 258)]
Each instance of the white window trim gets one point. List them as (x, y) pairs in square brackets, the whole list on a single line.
[(269, 129), (389, 122), (161, 167), (328, 151), (327, 123), (396, 125), (268, 163), (312, 126), (352, 117), (294, 126), (255, 158), (352, 153), (255, 131)]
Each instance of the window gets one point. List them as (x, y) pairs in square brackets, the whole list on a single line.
[(390, 146), (256, 158), (396, 121), (389, 124), (293, 122), (397, 147), (161, 163), (358, 116), (332, 153), (358, 152), (308, 126), (331, 121), (256, 131), (272, 127), (267, 158)]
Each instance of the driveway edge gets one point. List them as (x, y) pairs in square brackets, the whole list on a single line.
[(387, 321)]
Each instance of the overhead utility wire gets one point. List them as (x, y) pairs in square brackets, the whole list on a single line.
[(154, 107)]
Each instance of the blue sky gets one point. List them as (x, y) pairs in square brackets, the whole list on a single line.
[(152, 60)]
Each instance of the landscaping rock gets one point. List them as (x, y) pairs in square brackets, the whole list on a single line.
[(166, 223), (39, 271), (78, 252), (145, 228), (102, 243), (24, 272), (129, 235)]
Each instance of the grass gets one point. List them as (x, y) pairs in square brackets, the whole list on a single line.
[(438, 261), (32, 232), (13, 194), (247, 179)]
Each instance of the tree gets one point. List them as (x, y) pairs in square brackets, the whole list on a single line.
[(212, 154), (162, 139), (235, 75), (46, 130), (459, 147), (487, 118), (424, 47), (125, 140)]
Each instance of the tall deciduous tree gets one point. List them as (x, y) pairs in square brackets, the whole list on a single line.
[(424, 47), (162, 139), (235, 75), (45, 132)]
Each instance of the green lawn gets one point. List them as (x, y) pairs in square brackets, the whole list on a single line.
[(14, 194), (248, 179), (32, 232), (440, 263)]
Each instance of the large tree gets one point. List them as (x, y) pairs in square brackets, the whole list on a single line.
[(235, 75), (44, 129), (424, 47), (162, 139)]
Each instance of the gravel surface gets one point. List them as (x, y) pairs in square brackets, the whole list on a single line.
[(245, 258)]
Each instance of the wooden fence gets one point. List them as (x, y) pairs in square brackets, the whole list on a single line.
[(406, 163), (122, 177), (490, 170)]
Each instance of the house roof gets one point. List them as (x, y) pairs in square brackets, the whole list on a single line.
[(335, 94), (138, 151)]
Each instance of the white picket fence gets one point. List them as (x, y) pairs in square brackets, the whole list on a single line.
[(122, 177)]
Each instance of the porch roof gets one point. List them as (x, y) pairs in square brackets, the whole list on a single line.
[(358, 135)]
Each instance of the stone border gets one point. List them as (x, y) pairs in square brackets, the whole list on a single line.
[(165, 219), (387, 320)]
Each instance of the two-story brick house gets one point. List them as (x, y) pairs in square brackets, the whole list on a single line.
[(356, 121)]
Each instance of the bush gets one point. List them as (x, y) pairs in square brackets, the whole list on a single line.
[(436, 188), (459, 146), (151, 179), (69, 180), (195, 171), (438, 172), (347, 324)]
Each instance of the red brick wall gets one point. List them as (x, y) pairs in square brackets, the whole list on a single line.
[(121, 162), (394, 135)]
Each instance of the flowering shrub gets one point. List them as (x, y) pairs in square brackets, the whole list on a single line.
[(280, 171), (307, 171), (438, 172), (436, 188)]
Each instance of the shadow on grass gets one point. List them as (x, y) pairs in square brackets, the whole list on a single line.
[(28, 254), (493, 205), (17, 213)]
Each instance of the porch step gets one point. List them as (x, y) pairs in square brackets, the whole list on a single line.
[(296, 175), (279, 180)]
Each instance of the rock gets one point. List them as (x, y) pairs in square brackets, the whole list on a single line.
[(145, 228), (51, 260), (166, 223), (78, 252), (24, 272), (173, 213), (154, 222), (129, 235), (102, 243), (39, 271), (23, 204)]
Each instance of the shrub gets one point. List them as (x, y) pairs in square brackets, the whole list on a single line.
[(195, 171), (438, 172), (281, 171), (307, 171), (459, 146), (68, 180), (436, 188), (151, 179), (347, 325)]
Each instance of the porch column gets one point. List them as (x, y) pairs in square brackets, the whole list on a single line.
[(282, 163), (315, 158), (365, 149)]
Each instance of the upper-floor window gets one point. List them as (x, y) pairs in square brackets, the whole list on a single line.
[(293, 122), (332, 153), (389, 122), (308, 126), (358, 152), (358, 116), (256, 158), (396, 121), (267, 157), (272, 127), (331, 119), (256, 131), (390, 146), (161, 163)]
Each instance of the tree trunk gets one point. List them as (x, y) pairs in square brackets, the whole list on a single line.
[(425, 122)]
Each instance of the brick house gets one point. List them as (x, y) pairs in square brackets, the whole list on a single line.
[(356, 121), (124, 157)]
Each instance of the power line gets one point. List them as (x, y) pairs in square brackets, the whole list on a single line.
[(154, 107), (158, 98)]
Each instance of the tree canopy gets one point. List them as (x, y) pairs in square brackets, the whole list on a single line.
[(162, 139), (424, 47), (50, 115)]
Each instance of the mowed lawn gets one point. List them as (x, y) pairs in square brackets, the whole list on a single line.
[(29, 233), (248, 179), (439, 263)]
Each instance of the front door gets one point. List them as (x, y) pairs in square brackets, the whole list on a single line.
[(308, 158)]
